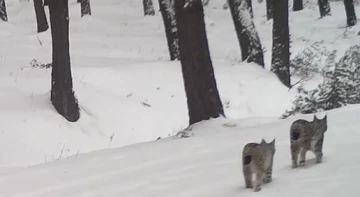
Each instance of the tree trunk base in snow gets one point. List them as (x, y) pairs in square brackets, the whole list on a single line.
[(3, 13), (42, 24), (203, 98), (62, 94)]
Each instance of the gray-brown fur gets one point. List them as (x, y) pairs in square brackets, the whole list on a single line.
[(258, 160), (305, 136)]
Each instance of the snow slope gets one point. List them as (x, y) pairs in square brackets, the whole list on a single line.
[(206, 164), (127, 89)]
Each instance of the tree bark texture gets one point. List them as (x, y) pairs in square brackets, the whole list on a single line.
[(85, 7), (324, 8), (168, 14), (269, 9), (203, 98), (350, 12), (148, 7), (42, 24), (280, 61), (3, 13), (248, 38), (298, 5), (62, 94)]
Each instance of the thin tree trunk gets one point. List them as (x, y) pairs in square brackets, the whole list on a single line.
[(280, 61), (298, 5), (168, 14), (350, 12), (85, 7), (324, 8), (42, 24), (269, 9), (249, 5), (203, 98), (148, 7), (3, 14), (247, 35), (62, 94)]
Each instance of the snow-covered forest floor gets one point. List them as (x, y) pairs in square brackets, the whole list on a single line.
[(129, 92)]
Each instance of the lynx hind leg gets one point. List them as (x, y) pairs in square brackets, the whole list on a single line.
[(268, 176), (247, 171), (318, 150), (302, 157), (258, 181), (295, 149)]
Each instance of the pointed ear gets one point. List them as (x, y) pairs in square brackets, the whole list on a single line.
[(273, 142), (263, 141), (325, 117)]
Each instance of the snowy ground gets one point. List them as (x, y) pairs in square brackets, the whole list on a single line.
[(207, 164), (129, 92)]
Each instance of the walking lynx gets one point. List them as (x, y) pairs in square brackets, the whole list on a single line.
[(305, 136), (258, 160)]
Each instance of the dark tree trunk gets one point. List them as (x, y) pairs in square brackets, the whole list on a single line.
[(148, 7), (248, 38), (249, 4), (298, 5), (324, 8), (42, 24), (203, 98), (281, 42), (62, 94), (168, 14), (3, 14), (350, 12), (85, 7), (269, 9), (78, 1)]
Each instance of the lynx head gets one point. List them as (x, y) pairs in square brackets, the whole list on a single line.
[(320, 124), (269, 149)]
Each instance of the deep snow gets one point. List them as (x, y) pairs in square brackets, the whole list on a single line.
[(128, 90)]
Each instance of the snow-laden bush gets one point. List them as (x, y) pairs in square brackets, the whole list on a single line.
[(341, 86), (311, 61)]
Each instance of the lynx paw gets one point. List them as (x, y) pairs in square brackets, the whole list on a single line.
[(294, 165), (302, 163), (257, 188)]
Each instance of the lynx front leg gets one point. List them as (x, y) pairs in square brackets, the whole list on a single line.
[(258, 181), (268, 176), (302, 156), (318, 150), (294, 154)]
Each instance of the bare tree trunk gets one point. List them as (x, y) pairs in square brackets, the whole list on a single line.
[(249, 5), (324, 8), (280, 61), (350, 12), (42, 24), (62, 94), (85, 7), (203, 98), (269, 9), (168, 14), (298, 5), (3, 14), (248, 37), (148, 7)]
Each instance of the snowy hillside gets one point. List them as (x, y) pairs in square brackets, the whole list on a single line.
[(207, 164), (128, 90)]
